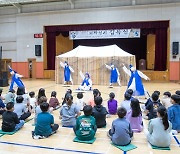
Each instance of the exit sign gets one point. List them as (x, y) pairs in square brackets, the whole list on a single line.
[(40, 35)]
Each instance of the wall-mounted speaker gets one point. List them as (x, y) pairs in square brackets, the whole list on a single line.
[(37, 50), (175, 48)]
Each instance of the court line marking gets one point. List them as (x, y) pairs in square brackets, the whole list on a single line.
[(48, 148), (176, 139)]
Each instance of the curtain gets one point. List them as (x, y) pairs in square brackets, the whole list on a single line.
[(134, 46), (161, 49), (51, 50), (105, 26)]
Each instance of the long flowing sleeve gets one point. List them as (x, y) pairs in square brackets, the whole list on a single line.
[(90, 83), (62, 64), (126, 70), (118, 72), (71, 69), (18, 75), (82, 75), (108, 67), (143, 75)]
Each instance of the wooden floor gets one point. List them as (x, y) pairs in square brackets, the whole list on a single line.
[(22, 142)]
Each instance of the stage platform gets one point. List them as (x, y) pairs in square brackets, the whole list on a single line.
[(157, 75)]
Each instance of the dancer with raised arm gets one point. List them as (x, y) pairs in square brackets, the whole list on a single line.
[(135, 81), (87, 82), (16, 79), (67, 72), (114, 77)]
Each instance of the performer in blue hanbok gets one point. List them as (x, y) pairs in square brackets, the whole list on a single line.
[(114, 77), (135, 81), (67, 72), (15, 79), (87, 82)]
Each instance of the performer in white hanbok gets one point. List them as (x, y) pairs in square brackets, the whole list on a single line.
[(135, 82), (114, 77), (16, 79), (87, 82), (67, 72)]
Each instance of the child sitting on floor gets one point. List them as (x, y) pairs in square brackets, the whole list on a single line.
[(159, 129), (99, 112), (177, 92), (130, 91), (121, 132), (166, 101), (69, 112), (32, 100), (80, 102), (38, 109), (85, 128), (96, 93), (41, 93), (174, 112), (45, 126), (134, 116), (10, 96), (127, 101), (157, 92), (69, 91), (54, 102), (10, 121), (150, 99), (21, 92), (152, 106), (112, 104), (20, 108)]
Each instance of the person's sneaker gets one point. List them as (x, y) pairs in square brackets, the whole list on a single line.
[(174, 132), (33, 134), (110, 86), (145, 117), (109, 135), (36, 137), (108, 115)]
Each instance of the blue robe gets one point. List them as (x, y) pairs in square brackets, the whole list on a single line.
[(138, 83), (85, 81), (16, 80), (67, 73), (114, 76)]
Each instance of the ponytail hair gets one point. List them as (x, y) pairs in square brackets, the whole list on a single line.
[(163, 113), (135, 107)]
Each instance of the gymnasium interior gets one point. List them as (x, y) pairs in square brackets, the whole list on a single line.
[(35, 33)]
